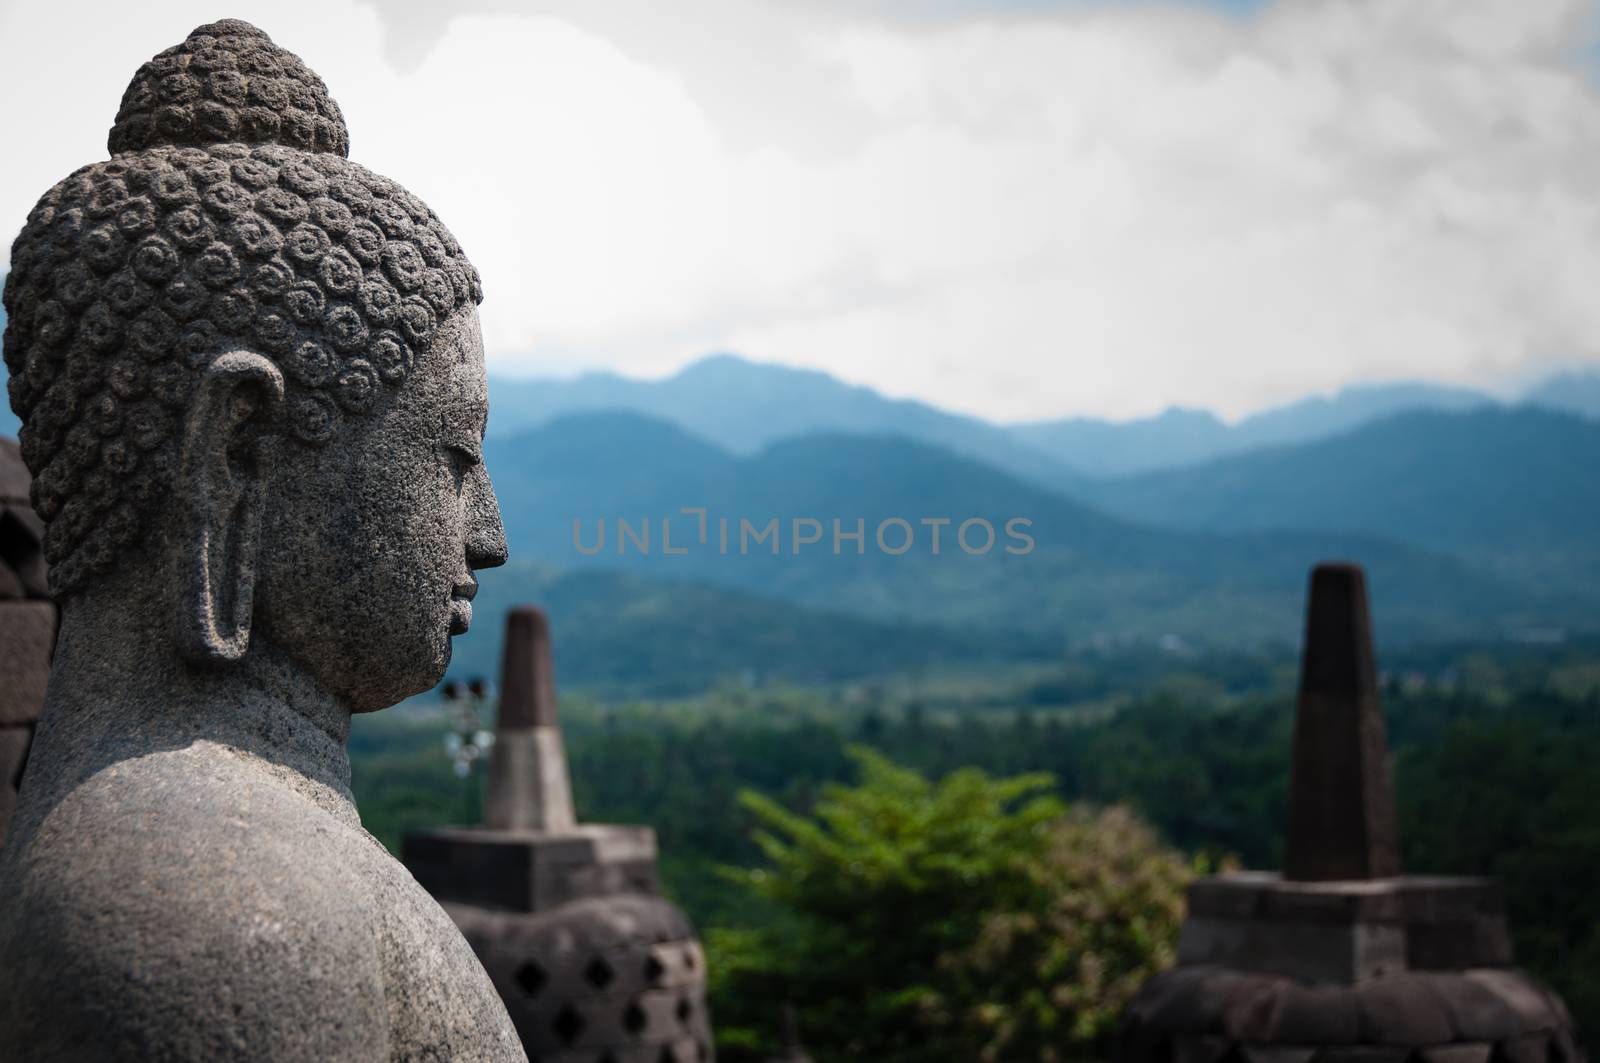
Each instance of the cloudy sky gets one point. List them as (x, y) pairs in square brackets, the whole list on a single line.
[(1015, 208)]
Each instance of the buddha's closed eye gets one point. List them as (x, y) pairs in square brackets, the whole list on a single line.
[(463, 458)]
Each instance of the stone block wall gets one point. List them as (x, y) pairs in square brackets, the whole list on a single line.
[(27, 626)]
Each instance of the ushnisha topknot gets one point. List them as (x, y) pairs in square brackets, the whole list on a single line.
[(228, 83), (213, 227)]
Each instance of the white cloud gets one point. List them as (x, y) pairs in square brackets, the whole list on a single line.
[(1065, 209)]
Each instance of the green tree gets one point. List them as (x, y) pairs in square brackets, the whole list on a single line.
[(969, 918), (1514, 799), (1099, 917)]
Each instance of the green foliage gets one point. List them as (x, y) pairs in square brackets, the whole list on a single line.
[(1099, 917), (630, 635), (969, 918), (402, 778), (1527, 820), (1494, 753)]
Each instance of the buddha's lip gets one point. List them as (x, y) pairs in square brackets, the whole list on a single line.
[(464, 592)]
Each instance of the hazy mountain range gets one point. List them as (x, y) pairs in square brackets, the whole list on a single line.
[(1181, 437), (1513, 489), (1089, 576), (743, 406), (1474, 519)]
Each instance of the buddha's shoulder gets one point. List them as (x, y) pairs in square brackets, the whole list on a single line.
[(201, 808), (183, 884), (196, 833)]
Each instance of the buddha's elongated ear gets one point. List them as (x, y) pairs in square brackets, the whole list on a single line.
[(226, 456)]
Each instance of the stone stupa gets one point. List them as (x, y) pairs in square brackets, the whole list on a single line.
[(27, 626), (593, 965), (1342, 958)]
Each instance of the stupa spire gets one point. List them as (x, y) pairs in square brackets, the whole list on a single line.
[(1341, 803), (529, 788)]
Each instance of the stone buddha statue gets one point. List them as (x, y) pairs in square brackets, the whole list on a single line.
[(251, 383)]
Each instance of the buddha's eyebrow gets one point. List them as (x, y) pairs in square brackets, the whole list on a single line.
[(470, 414), (467, 403), (467, 414)]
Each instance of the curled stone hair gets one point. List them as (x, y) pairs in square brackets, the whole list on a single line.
[(228, 217)]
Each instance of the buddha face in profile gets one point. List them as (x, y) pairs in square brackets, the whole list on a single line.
[(251, 380)]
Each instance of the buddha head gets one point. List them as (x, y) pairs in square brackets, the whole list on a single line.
[(251, 382)]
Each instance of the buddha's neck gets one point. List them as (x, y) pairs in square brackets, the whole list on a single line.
[(119, 688)]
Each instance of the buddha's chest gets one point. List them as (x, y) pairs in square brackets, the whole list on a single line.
[(441, 1004)]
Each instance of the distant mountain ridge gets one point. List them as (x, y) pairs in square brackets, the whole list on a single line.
[(1473, 519), (1181, 437), (1089, 576), (1576, 392), (742, 406), (1514, 489)]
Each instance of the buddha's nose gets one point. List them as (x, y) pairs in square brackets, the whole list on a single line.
[(486, 535)]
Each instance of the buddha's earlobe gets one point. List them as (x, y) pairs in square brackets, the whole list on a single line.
[(220, 472)]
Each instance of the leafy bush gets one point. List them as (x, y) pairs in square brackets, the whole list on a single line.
[(969, 918), (1099, 918)]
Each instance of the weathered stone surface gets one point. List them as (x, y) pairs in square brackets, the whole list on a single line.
[(1534, 1048), (592, 965), (616, 975), (240, 88), (1151, 1005), (1411, 899), (527, 672), (1478, 1012), (14, 478), (527, 871), (27, 627), (1247, 1014), (1365, 1054), (27, 640), (1521, 996), (1187, 1000), (1317, 951), (13, 754), (1278, 1053), (1316, 1015), (1199, 1049), (135, 274), (22, 565), (1402, 1011), (1344, 931), (528, 784), (251, 383), (14, 743), (1341, 804), (1400, 1014), (1343, 957)]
